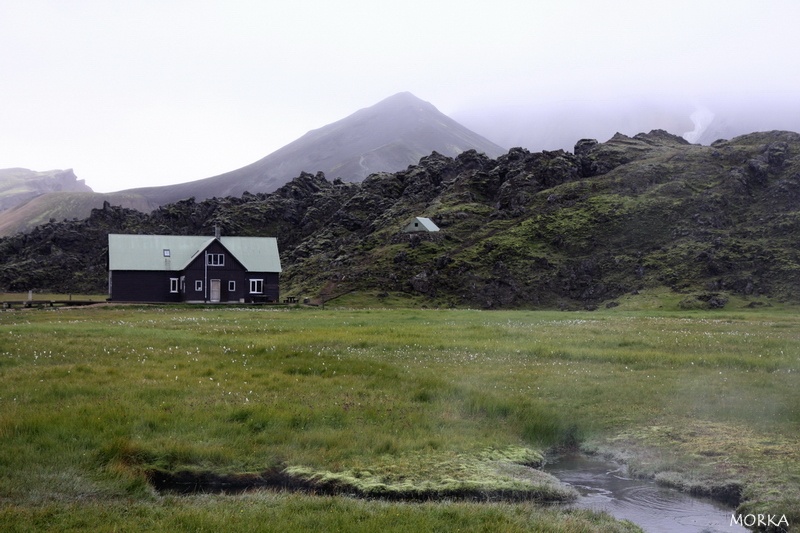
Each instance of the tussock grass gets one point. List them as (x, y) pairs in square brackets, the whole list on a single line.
[(384, 401)]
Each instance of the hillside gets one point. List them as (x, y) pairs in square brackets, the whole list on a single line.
[(64, 206), (29, 198), (18, 185), (557, 229), (544, 229), (386, 137)]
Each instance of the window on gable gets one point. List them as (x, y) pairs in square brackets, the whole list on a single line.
[(215, 259), (256, 286), (174, 284)]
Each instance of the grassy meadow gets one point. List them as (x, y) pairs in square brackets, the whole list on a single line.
[(450, 408)]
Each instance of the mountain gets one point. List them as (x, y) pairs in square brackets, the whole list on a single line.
[(389, 136), (550, 229), (386, 137), (64, 206), (29, 198), (18, 185)]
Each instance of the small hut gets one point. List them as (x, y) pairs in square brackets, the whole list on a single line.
[(421, 224)]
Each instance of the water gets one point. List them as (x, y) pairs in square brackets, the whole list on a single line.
[(603, 486)]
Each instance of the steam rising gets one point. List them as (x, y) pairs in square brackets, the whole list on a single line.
[(701, 118)]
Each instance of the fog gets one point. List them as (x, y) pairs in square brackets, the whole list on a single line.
[(151, 93), (559, 124)]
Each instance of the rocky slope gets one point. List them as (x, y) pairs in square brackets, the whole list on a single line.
[(544, 229)]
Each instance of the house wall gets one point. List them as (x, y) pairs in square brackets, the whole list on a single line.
[(271, 289), (143, 286), (199, 271), (231, 270)]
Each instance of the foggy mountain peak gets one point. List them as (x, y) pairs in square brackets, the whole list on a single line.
[(385, 137)]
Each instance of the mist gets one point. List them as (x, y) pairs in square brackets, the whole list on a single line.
[(150, 94), (559, 124)]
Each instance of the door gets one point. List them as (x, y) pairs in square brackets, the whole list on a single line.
[(215, 290)]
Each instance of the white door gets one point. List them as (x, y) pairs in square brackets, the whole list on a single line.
[(215, 290)]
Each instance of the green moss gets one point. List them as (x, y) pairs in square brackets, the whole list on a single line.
[(493, 473)]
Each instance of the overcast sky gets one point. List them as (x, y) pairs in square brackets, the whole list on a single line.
[(139, 93)]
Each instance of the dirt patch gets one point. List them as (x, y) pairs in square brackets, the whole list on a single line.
[(188, 482)]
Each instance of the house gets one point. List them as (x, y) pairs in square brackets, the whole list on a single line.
[(179, 268), (421, 224)]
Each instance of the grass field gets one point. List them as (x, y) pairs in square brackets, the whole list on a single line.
[(453, 406)]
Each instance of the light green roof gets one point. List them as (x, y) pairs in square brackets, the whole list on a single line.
[(147, 252), (257, 254), (421, 224)]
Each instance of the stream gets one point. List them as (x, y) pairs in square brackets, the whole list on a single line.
[(604, 486)]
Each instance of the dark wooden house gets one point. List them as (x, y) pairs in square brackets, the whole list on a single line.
[(173, 268)]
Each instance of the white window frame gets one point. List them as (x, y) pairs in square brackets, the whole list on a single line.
[(198, 285), (216, 260), (231, 286), (257, 286), (174, 285)]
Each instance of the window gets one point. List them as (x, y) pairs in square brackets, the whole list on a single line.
[(215, 259), (198, 285), (173, 284), (166, 252), (256, 286), (231, 286)]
